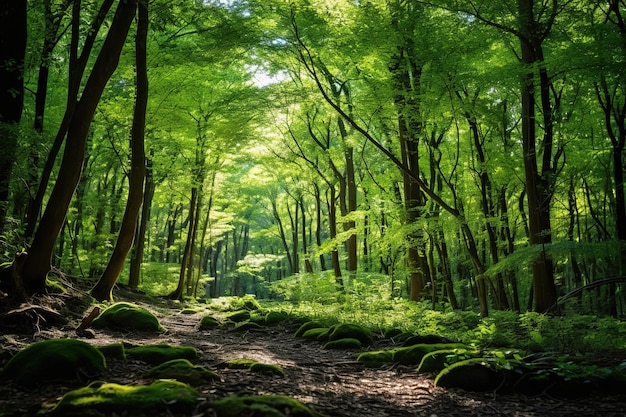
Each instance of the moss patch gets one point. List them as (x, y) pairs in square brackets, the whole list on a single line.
[(242, 363), (351, 331), (245, 326), (420, 339), (262, 406), (437, 360), (308, 326), (238, 316), (412, 355), (128, 398), (54, 359), (376, 359), (275, 317), (113, 350), (156, 354), (267, 368), (471, 375), (209, 322), (127, 316), (347, 343), (319, 333), (182, 370)]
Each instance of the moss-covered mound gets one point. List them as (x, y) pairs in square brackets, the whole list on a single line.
[(157, 354), (412, 355), (255, 366), (159, 395), (437, 360), (376, 359), (241, 363), (54, 359), (419, 339), (347, 343), (209, 322), (308, 326), (182, 370), (127, 316), (471, 375), (238, 316), (318, 333), (351, 331), (113, 351), (262, 406), (245, 326), (275, 317)]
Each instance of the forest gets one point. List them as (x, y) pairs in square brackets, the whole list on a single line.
[(400, 163)]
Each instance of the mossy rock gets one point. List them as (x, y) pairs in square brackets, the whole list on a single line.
[(392, 333), (351, 331), (262, 406), (113, 351), (157, 354), (241, 363), (402, 337), (471, 375), (127, 316), (54, 359), (412, 355), (318, 333), (182, 370), (347, 343), (275, 317), (420, 339), (109, 397), (238, 316), (245, 326), (209, 322), (437, 360), (267, 368), (308, 326), (376, 359)]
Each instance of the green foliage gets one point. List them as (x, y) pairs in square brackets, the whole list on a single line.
[(127, 316), (54, 359), (128, 398)]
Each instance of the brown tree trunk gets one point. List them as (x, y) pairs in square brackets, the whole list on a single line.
[(38, 263), (178, 293), (140, 239), (102, 290)]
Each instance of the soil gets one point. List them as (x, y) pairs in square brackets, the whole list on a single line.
[(329, 381)]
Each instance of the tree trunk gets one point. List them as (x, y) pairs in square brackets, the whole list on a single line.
[(177, 294), (38, 263), (140, 240), (102, 290)]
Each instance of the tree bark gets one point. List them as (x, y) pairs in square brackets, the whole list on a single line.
[(102, 290), (38, 263)]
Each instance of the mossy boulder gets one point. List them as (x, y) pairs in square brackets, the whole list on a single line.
[(182, 370), (437, 360), (54, 359), (113, 351), (308, 326), (318, 333), (267, 368), (247, 325), (209, 322), (157, 354), (127, 316), (419, 339), (109, 397), (351, 331), (262, 406), (242, 363), (275, 317), (238, 316), (347, 343), (392, 333), (376, 359), (412, 355), (474, 374)]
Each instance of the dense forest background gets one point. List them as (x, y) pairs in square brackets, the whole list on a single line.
[(464, 154)]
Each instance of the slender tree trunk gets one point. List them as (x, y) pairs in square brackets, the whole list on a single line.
[(318, 225), (177, 294), (102, 290), (140, 240), (39, 256)]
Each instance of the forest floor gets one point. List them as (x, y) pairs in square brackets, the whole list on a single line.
[(328, 381)]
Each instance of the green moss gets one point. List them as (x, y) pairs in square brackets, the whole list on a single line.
[(54, 359), (391, 333), (156, 354), (250, 303), (318, 333), (238, 316), (127, 316), (182, 370), (376, 359), (275, 317), (347, 343), (437, 360), (242, 363), (160, 394), (267, 368), (471, 375), (351, 331), (245, 326), (412, 355), (308, 326), (262, 406), (209, 322), (113, 350), (420, 339)]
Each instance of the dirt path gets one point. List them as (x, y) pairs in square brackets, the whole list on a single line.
[(329, 381)]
